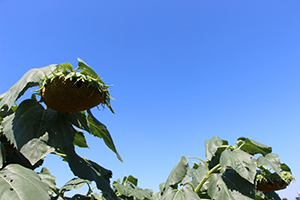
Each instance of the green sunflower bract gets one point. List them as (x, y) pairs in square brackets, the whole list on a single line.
[(72, 90)]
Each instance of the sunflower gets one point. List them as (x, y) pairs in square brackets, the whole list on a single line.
[(72, 90)]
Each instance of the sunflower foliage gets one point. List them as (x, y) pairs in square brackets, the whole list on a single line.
[(32, 130), (59, 121)]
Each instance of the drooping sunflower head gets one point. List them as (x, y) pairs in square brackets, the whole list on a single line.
[(73, 90)]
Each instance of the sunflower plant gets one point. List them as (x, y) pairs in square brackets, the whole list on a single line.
[(53, 123), (57, 117)]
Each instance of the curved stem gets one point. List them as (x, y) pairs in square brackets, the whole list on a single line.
[(207, 176), (205, 163)]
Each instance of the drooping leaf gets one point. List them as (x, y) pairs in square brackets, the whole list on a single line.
[(272, 160), (75, 183), (99, 130), (217, 188), (252, 146), (79, 140), (30, 79), (78, 119), (27, 122), (35, 131), (107, 174), (86, 69), (241, 162), (85, 170), (20, 183), (178, 173), (36, 149), (212, 146)]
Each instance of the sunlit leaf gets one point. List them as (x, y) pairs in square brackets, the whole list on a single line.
[(271, 160), (252, 146), (79, 140), (198, 174), (241, 162), (20, 183), (30, 79), (180, 194), (178, 173), (212, 146), (75, 183), (47, 178)]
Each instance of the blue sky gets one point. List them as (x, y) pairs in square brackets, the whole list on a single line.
[(183, 72)]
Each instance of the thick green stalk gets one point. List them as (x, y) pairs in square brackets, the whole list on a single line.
[(207, 176)]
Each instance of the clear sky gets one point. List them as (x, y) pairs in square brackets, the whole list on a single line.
[(183, 71)]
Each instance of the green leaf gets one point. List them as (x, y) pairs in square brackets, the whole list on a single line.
[(85, 170), (198, 174), (271, 160), (35, 131), (99, 130), (75, 183), (107, 174), (47, 178), (241, 162), (79, 140), (86, 69), (78, 119), (30, 79), (178, 173), (36, 149), (20, 183), (252, 146), (130, 179), (212, 146), (238, 186), (180, 194), (217, 188), (130, 191)]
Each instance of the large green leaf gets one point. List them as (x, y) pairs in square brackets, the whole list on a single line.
[(197, 174), (36, 131), (178, 173), (99, 130), (212, 146), (239, 187), (180, 194), (217, 188), (47, 178), (252, 146), (30, 79), (20, 183), (85, 170), (75, 183), (271, 160), (241, 162)]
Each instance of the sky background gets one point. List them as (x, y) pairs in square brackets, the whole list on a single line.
[(182, 72)]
